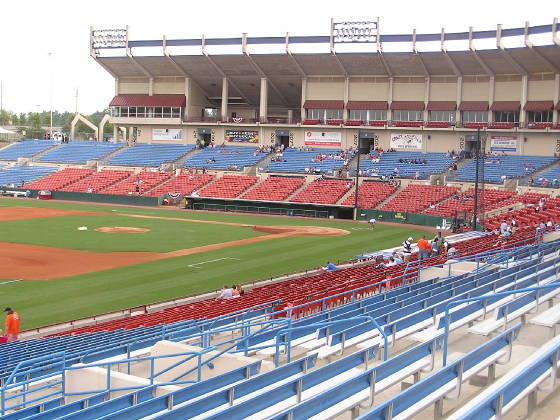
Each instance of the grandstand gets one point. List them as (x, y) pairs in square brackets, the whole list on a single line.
[(231, 158), (149, 154), (18, 175), (78, 152), (26, 148), (465, 336)]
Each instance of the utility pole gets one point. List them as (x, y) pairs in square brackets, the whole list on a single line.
[(1, 96), (76, 99), (51, 69)]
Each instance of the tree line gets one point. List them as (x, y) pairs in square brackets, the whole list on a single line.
[(32, 122)]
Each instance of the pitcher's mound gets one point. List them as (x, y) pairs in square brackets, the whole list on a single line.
[(121, 229)]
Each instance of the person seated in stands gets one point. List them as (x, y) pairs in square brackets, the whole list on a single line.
[(452, 251), (424, 162), (397, 258), (235, 292), (226, 292), (396, 171)]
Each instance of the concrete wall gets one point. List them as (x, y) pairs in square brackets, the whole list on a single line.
[(222, 364), (134, 85), (475, 89), (508, 90), (409, 89), (443, 91), (95, 379), (540, 88), (325, 88), (169, 85), (368, 89)]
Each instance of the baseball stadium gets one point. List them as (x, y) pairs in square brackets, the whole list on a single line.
[(356, 233)]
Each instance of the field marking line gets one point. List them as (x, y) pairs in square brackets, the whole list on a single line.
[(8, 281), (209, 261)]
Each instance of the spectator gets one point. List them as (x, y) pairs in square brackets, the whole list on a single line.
[(12, 324), (407, 249), (397, 258), (422, 245), (226, 292), (503, 227), (240, 289), (452, 251), (330, 266)]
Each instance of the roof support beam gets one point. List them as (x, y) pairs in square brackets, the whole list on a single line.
[(259, 71), (505, 53), (537, 53), (221, 72), (294, 61), (555, 38), (479, 59), (385, 65)]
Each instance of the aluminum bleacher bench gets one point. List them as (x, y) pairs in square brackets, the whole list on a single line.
[(518, 307), (523, 380), (98, 406), (549, 318), (264, 401), (434, 388), (354, 392)]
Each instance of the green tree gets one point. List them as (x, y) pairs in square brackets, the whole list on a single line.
[(22, 118), (34, 119), (4, 117), (15, 119)]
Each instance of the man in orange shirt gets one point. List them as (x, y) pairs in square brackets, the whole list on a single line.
[(12, 324), (422, 248)]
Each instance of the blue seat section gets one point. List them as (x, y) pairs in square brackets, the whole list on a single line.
[(224, 157), (512, 166), (149, 154), (306, 161), (15, 174), (79, 152), (409, 164), (25, 148), (552, 177)]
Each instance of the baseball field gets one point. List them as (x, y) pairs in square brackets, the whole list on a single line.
[(61, 261)]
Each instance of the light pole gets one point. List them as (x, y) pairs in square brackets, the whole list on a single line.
[(51, 74)]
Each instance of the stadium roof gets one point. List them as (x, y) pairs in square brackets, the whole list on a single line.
[(286, 70)]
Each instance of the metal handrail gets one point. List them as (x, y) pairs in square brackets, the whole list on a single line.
[(288, 330), (479, 298)]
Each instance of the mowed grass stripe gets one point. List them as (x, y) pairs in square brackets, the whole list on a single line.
[(47, 302), (164, 235)]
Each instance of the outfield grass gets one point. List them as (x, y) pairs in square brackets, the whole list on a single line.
[(46, 302)]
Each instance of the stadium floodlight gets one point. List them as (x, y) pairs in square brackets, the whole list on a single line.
[(362, 31), (108, 38)]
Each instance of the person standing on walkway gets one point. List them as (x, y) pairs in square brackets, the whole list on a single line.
[(12, 324), (422, 248)]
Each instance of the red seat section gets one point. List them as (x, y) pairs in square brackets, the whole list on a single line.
[(378, 123), (529, 217), (274, 188), (353, 123), (144, 180), (415, 198), (464, 202), (60, 179), (540, 125), (475, 125), (98, 181), (184, 183), (409, 123), (323, 191), (228, 186), (311, 122), (501, 125), (370, 194), (303, 289), (334, 122), (438, 124)]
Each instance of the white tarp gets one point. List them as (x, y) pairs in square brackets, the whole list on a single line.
[(406, 141), (4, 131)]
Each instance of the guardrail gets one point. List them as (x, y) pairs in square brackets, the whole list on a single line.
[(482, 298)]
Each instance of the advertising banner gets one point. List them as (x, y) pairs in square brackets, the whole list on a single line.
[(241, 136), (163, 134), (320, 138), (503, 144), (406, 141)]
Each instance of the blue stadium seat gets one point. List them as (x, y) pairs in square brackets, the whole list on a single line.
[(305, 161), (232, 158), (16, 174), (149, 154), (25, 148), (79, 152), (512, 166)]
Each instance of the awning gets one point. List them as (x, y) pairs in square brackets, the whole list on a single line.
[(506, 106), (136, 99), (473, 106), (407, 105), (442, 106), (365, 105), (539, 106), (317, 104)]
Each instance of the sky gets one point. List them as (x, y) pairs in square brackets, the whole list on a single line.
[(45, 45)]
